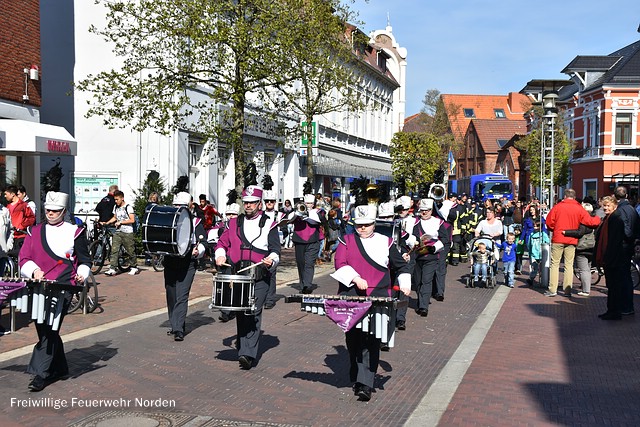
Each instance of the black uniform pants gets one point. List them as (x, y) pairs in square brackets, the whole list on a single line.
[(178, 278), (48, 358), (306, 254), (364, 356), (249, 325)]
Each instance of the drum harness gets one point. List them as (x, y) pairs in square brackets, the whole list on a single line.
[(257, 273)]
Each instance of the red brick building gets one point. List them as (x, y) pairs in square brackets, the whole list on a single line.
[(601, 110)]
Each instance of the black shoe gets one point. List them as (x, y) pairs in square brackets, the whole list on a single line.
[(269, 305), (224, 317), (170, 332), (364, 393), (37, 383), (245, 362), (628, 313), (306, 290), (611, 316), (422, 312), (356, 388), (178, 336), (400, 324), (530, 282), (439, 297)]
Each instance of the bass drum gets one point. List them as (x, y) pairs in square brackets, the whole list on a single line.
[(167, 230)]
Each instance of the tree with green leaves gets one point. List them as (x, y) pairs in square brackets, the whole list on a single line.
[(171, 49), (416, 156), (531, 145), (324, 67)]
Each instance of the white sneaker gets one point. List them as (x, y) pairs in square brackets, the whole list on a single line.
[(133, 271), (111, 272)]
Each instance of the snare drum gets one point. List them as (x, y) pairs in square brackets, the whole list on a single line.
[(233, 292), (167, 230)]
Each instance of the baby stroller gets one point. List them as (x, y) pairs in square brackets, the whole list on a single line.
[(490, 260)]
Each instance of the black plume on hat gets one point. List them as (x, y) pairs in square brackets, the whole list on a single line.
[(438, 176), (250, 175), (267, 182), (232, 196), (359, 190), (307, 188), (182, 185)]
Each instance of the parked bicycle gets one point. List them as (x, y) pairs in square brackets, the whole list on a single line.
[(87, 298), (596, 274), (100, 251), (157, 262), (635, 266)]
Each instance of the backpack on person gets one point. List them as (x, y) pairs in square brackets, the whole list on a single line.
[(136, 219), (586, 242)]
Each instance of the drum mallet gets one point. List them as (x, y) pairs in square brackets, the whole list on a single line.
[(250, 267)]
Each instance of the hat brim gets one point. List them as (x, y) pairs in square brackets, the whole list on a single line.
[(360, 221), (53, 207), (251, 199)]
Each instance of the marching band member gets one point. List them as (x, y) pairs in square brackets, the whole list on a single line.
[(231, 211), (250, 239), (179, 272), (406, 241), (364, 261), (269, 198), (307, 234), (433, 236), (55, 250)]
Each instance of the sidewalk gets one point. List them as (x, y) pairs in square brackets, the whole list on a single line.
[(543, 361)]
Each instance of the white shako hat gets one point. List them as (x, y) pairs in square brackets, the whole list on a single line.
[(56, 201)]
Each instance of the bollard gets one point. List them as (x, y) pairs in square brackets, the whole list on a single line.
[(544, 265)]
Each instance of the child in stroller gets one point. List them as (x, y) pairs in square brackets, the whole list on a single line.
[(483, 260)]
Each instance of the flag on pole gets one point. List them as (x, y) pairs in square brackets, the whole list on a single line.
[(452, 164)]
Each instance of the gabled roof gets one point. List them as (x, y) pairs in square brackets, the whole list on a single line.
[(417, 122), (624, 69), (513, 104), (491, 131), (591, 63)]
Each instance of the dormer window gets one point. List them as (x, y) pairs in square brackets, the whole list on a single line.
[(499, 113), (469, 113), (502, 142), (382, 61)]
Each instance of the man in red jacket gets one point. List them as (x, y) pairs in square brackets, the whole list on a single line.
[(566, 215)]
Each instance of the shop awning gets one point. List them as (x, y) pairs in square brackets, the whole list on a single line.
[(337, 164), (22, 136)]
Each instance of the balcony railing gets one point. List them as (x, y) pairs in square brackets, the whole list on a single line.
[(589, 152)]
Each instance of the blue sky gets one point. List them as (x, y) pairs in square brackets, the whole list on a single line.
[(496, 46)]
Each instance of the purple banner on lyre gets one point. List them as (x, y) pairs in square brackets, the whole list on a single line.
[(8, 287), (346, 314)]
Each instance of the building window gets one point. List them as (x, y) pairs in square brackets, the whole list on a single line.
[(623, 129), (501, 142), (590, 188), (195, 151), (499, 112), (469, 113)]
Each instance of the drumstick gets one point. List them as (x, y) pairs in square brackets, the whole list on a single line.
[(250, 267)]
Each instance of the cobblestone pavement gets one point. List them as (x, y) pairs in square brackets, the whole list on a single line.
[(544, 361)]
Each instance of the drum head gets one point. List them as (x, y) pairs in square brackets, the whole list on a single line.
[(184, 229)]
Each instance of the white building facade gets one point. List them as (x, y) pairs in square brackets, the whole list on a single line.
[(348, 146)]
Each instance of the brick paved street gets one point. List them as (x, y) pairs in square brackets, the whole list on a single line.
[(544, 361)]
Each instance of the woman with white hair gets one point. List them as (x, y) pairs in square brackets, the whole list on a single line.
[(584, 251), (53, 250)]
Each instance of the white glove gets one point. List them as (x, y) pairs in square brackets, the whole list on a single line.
[(411, 241)]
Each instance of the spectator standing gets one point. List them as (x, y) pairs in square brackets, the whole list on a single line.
[(209, 211), (584, 252), (22, 195), (21, 215), (106, 205), (534, 246), (566, 215), (123, 219), (509, 259)]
